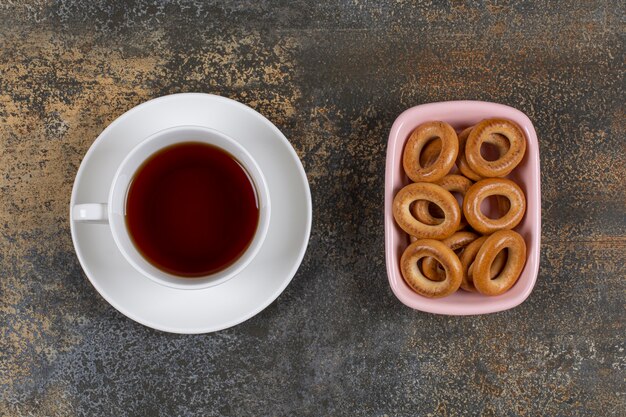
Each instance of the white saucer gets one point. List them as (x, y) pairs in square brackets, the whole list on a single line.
[(228, 304)]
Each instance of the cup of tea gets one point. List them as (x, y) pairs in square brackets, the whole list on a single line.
[(188, 207)]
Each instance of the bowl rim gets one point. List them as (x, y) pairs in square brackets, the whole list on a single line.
[(449, 108)]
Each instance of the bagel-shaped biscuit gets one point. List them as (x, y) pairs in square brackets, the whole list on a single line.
[(421, 136), (452, 183), (467, 263), (494, 187), (457, 242), (481, 133), (500, 143), (494, 245), (429, 192), (415, 278)]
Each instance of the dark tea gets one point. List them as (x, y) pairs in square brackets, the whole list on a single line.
[(191, 209)]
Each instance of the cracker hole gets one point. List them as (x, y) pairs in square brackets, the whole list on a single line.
[(489, 152), (496, 269), (427, 155), (438, 267), (494, 206), (436, 211)]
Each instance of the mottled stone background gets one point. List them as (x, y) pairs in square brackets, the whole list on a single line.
[(333, 77)]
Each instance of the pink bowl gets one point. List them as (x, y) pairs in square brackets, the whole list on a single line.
[(461, 114)]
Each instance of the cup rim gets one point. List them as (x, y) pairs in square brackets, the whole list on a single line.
[(122, 237)]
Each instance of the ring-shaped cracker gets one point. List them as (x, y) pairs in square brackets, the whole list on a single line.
[(421, 136), (481, 133), (490, 249), (415, 278), (501, 144), (430, 192), (494, 187), (454, 184)]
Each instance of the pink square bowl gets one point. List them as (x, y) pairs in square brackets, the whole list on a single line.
[(461, 114)]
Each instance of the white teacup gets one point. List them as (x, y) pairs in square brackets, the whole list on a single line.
[(113, 211)]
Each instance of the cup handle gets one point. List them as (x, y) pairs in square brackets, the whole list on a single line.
[(90, 213)]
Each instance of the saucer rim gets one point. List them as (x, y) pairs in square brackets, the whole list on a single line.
[(261, 305)]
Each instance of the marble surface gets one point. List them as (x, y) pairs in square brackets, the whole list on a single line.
[(332, 77)]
